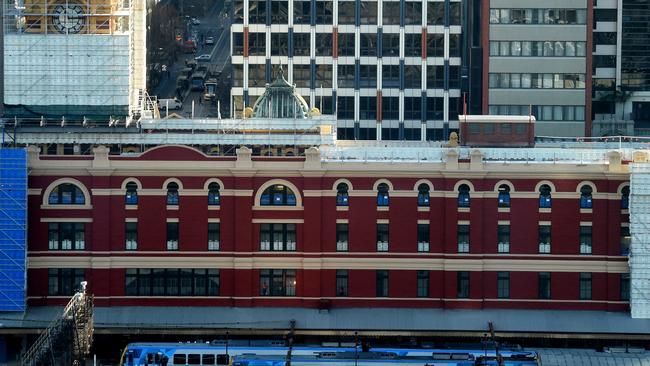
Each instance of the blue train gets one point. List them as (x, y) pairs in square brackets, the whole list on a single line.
[(173, 354)]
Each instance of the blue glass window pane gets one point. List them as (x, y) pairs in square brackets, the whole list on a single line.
[(266, 199), (341, 200), (291, 199)]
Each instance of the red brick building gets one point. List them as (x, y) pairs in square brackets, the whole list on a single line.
[(174, 227)]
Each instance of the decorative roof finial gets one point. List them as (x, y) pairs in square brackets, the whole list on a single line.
[(280, 73)]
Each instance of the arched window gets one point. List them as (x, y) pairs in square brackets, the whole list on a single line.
[(66, 194), (625, 198), (342, 194), (214, 198), (131, 197), (278, 195), (382, 194), (423, 195), (172, 194), (504, 195), (544, 196), (463, 195), (585, 197)]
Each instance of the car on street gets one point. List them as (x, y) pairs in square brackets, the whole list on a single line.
[(195, 21), (209, 40), (203, 58)]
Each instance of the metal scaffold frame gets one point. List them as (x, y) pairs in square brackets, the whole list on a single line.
[(640, 246), (13, 229)]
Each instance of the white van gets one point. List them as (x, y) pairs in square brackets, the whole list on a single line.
[(172, 103)]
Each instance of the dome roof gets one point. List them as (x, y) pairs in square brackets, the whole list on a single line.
[(280, 100)]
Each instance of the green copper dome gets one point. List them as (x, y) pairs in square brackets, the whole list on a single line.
[(280, 100)]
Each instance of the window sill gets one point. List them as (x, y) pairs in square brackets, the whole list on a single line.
[(504, 209), (172, 207), (131, 207), (463, 209), (66, 207), (278, 208), (382, 208), (342, 208), (424, 208), (544, 210), (586, 210), (214, 207)]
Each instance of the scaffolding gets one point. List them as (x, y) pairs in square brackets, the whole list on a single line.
[(69, 57), (640, 246), (68, 338), (13, 228)]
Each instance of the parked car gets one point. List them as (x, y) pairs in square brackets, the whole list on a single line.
[(209, 40), (172, 103), (203, 58)]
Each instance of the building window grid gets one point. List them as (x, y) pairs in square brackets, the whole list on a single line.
[(586, 200), (462, 284), (422, 283), (504, 195), (66, 236), (382, 283), (544, 238), (585, 286), (544, 285), (66, 194), (503, 285), (131, 235), (503, 238), (536, 81), (423, 195), (585, 239), (172, 236), (538, 48), (463, 196), (278, 237), (64, 281), (342, 197), (539, 16), (131, 196), (214, 233), (423, 237), (342, 282), (463, 238), (342, 235), (172, 194), (278, 195), (172, 282), (382, 195), (382, 237), (277, 282), (214, 197), (544, 196)]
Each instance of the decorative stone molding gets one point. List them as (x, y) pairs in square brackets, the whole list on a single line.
[(452, 159), (244, 160), (312, 158), (100, 159)]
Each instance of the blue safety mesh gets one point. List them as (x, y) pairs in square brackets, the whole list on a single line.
[(13, 229)]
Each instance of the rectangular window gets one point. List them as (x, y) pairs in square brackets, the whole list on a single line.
[(503, 238), (131, 235), (544, 285), (342, 237), (463, 238), (423, 237), (64, 281), (346, 40), (585, 286), (585, 239), (503, 285), (382, 283), (278, 237), (423, 283), (66, 236), (382, 237), (544, 238), (625, 287), (626, 239), (214, 230), (172, 282), (277, 282), (341, 282), (462, 284), (172, 236)]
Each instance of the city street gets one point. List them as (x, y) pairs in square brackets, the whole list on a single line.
[(216, 24)]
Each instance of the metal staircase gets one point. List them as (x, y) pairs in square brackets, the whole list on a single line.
[(68, 338)]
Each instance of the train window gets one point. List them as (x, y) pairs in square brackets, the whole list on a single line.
[(460, 356), (223, 359), (441, 356), (179, 359), (326, 354), (208, 359), (193, 359)]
